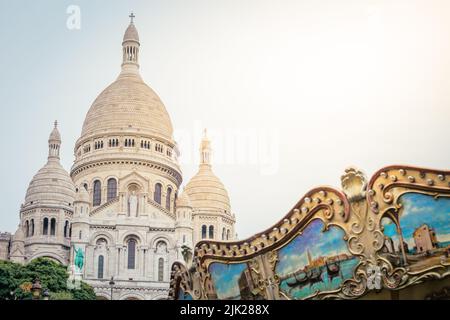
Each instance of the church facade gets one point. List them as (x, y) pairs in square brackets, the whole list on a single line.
[(120, 209)]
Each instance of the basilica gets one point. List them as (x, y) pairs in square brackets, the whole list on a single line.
[(121, 209)]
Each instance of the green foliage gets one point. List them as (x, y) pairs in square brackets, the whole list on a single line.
[(84, 293), (62, 295), (17, 279), (10, 279)]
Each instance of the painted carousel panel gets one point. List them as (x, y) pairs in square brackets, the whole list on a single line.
[(234, 281), (182, 295), (317, 260), (422, 226)]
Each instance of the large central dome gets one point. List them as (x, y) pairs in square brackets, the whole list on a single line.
[(128, 103), (127, 124)]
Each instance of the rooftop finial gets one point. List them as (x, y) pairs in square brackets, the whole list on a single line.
[(132, 16), (205, 149), (56, 123)]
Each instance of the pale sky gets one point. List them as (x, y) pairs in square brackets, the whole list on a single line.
[(323, 85)]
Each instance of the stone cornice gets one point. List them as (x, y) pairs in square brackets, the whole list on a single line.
[(205, 215), (45, 209), (173, 174), (124, 287), (128, 133), (114, 227)]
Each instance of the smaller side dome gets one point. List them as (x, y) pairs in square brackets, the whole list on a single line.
[(51, 185), (205, 190), (184, 201), (82, 195)]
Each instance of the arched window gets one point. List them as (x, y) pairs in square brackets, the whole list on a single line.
[(66, 229), (45, 226), (228, 234), (27, 229), (100, 267), (168, 195), (175, 200), (203, 232), (32, 227), (223, 234), (101, 242), (211, 232), (157, 195), (97, 195), (112, 189), (80, 234), (53, 227), (160, 269), (131, 253)]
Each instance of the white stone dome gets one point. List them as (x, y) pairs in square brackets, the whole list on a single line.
[(207, 192), (128, 103), (51, 185)]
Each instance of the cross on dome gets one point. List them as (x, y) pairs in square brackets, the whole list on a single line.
[(132, 16)]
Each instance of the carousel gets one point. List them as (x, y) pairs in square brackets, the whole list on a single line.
[(383, 238)]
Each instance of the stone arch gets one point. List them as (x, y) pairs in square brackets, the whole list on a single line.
[(107, 187), (102, 234), (132, 178), (49, 255), (132, 296), (160, 181), (131, 234), (105, 294), (111, 176), (134, 185), (99, 178), (161, 237)]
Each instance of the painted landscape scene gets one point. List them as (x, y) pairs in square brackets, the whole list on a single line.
[(424, 232), (234, 281), (315, 261)]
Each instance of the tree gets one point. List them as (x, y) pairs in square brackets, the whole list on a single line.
[(62, 295), (17, 279)]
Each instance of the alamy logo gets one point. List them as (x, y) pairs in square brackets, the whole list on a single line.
[(74, 280), (374, 277), (74, 20)]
